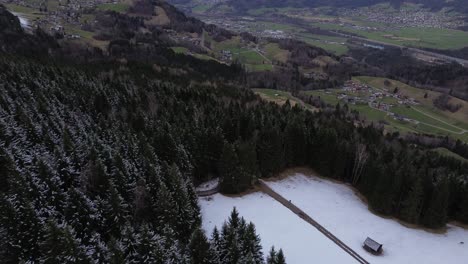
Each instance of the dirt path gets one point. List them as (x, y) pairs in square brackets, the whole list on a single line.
[(215, 190), (462, 131), (266, 189), (442, 121)]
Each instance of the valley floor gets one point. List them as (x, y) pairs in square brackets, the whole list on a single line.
[(336, 207)]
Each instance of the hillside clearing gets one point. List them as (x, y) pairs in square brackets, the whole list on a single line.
[(342, 212), (276, 226)]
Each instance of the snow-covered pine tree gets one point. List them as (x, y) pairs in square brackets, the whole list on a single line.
[(200, 249), (215, 246), (251, 245), (272, 256), (60, 245)]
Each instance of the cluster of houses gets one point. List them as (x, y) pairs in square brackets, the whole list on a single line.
[(65, 12), (194, 39), (226, 55), (403, 17), (247, 24), (276, 34), (374, 98)]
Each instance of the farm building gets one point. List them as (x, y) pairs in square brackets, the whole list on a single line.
[(372, 246)]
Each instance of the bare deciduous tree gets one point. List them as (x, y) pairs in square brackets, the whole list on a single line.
[(359, 162)]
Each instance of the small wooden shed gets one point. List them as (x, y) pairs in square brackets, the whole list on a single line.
[(372, 246)]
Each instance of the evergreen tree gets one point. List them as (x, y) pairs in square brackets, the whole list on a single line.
[(166, 209), (435, 215), (412, 206), (228, 170), (276, 257), (200, 250), (251, 245), (61, 246), (7, 170), (270, 151), (280, 259), (272, 256), (80, 214), (116, 252), (130, 242), (115, 212), (463, 210), (149, 248), (22, 230), (215, 246), (295, 142)]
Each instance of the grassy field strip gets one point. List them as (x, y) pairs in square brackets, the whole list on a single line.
[(423, 121), (428, 124), (446, 152), (441, 128), (259, 53), (422, 112), (425, 112), (409, 112), (280, 97), (267, 59)]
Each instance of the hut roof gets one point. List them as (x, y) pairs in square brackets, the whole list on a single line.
[(372, 244)]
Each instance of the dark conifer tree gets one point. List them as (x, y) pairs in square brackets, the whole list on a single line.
[(215, 246), (413, 203), (200, 249), (60, 245), (272, 256), (251, 245), (463, 210), (227, 168), (116, 252), (270, 151), (280, 259), (435, 215)]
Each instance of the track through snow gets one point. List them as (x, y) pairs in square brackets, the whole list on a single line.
[(277, 226), (341, 211), (288, 204)]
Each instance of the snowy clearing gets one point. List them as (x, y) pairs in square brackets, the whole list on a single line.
[(276, 226), (339, 209)]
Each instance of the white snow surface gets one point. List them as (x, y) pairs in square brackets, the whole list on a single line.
[(23, 21), (208, 185), (336, 207), (276, 226)]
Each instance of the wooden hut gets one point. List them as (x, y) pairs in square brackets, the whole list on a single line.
[(372, 246)]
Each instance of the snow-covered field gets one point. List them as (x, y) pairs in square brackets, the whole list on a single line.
[(337, 208), (276, 226)]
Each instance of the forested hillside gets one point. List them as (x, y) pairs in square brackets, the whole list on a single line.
[(98, 167), (84, 151), (99, 156)]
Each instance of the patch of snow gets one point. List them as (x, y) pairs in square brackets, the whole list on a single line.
[(23, 21), (339, 209), (207, 185), (276, 225)]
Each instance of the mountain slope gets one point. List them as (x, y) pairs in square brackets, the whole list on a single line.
[(99, 153)]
